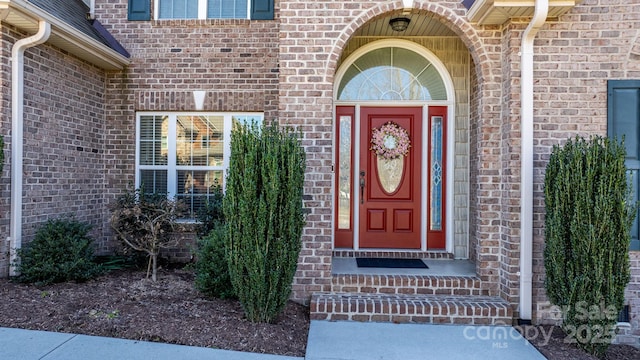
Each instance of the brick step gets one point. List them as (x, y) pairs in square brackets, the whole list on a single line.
[(407, 284), (344, 253), (435, 309)]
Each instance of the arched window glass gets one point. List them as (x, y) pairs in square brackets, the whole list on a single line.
[(392, 74)]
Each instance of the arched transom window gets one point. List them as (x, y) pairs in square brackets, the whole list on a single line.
[(392, 73)]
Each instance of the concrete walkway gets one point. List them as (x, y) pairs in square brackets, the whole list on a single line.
[(377, 341), (17, 344), (327, 341)]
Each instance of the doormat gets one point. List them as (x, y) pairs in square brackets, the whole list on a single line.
[(391, 263)]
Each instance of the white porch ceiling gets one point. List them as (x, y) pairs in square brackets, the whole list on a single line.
[(421, 25), (497, 12)]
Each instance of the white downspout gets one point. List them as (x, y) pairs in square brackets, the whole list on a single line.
[(92, 10), (17, 119), (526, 121)]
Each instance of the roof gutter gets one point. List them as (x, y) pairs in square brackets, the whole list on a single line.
[(526, 172), (17, 119)]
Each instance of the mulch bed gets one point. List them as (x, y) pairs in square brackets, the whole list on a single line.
[(558, 348), (123, 304)]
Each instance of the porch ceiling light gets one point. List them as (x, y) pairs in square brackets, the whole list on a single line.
[(399, 23)]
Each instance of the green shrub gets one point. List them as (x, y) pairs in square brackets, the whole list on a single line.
[(212, 267), (587, 231), (61, 251), (120, 262), (264, 215), (211, 215)]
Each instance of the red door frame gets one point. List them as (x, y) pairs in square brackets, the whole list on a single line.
[(436, 239)]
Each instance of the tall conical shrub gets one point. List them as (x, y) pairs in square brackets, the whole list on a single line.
[(587, 230), (264, 217)]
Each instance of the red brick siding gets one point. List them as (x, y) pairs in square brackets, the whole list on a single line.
[(234, 61), (575, 56), (64, 141)]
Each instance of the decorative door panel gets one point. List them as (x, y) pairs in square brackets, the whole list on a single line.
[(390, 177)]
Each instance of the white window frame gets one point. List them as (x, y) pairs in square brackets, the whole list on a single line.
[(202, 10), (172, 168)]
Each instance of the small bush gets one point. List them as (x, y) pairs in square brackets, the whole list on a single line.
[(121, 262), (145, 223), (212, 266), (61, 251), (211, 215)]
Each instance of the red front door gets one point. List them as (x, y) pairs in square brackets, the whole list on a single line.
[(389, 189)]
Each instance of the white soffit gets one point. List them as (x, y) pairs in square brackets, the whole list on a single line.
[(26, 16), (497, 12)]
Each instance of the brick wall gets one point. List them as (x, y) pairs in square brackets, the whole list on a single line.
[(5, 130), (64, 141), (234, 61), (508, 194), (485, 150), (309, 58), (632, 296), (575, 56)]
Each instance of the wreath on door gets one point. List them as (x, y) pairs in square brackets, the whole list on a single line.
[(390, 141)]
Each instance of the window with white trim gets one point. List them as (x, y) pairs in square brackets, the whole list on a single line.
[(203, 9), (185, 155)]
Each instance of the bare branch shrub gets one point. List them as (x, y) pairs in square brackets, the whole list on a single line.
[(145, 222)]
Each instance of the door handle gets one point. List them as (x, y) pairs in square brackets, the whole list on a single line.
[(362, 182)]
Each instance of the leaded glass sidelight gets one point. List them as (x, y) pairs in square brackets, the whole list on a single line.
[(344, 171), (392, 74), (436, 159)]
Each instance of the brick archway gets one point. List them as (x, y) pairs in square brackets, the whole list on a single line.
[(466, 32)]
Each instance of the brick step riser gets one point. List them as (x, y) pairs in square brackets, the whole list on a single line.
[(408, 285), (393, 254), (398, 309)]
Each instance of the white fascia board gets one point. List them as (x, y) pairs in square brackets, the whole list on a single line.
[(101, 55)]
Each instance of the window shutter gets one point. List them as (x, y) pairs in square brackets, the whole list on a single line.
[(623, 118), (262, 9), (139, 10)]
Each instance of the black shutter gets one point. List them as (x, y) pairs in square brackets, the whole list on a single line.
[(139, 10), (623, 118), (262, 9)]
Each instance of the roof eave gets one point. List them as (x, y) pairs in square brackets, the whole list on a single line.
[(25, 16), (497, 12)]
